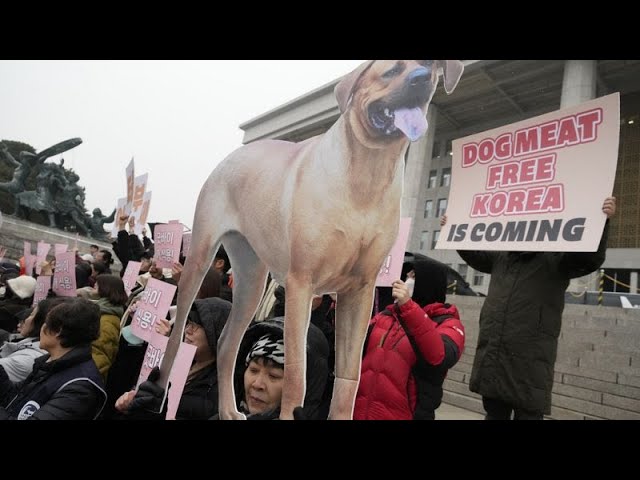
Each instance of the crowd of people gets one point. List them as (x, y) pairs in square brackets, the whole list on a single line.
[(78, 358)]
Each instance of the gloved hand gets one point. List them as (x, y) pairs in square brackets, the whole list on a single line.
[(300, 414), (149, 395)]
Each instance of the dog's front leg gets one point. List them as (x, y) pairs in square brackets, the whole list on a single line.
[(353, 312), (296, 324)]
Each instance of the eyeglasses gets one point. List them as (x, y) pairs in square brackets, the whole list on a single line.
[(193, 327)]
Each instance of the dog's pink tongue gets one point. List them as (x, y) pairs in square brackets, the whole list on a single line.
[(411, 121)]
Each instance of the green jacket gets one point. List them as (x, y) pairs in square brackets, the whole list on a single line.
[(521, 319), (105, 348)]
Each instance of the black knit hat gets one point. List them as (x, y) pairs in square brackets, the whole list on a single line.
[(431, 282), (211, 314)]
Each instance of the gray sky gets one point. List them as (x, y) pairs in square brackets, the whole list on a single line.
[(178, 119)]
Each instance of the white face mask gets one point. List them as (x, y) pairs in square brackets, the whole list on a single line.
[(410, 283), (3, 290)]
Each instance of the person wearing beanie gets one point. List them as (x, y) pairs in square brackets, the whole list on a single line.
[(199, 400), (18, 297), (409, 348), (259, 372)]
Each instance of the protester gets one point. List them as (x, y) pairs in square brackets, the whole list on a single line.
[(409, 348), (65, 383), (520, 323), (17, 357), (199, 399)]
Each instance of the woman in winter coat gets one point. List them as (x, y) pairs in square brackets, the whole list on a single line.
[(111, 300), (409, 348)]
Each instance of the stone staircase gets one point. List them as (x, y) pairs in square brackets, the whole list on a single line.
[(597, 372)]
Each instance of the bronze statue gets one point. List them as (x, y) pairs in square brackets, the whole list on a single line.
[(27, 162), (96, 224)]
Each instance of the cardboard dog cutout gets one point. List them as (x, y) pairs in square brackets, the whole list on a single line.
[(320, 215)]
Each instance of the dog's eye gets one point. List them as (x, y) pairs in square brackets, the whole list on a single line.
[(394, 71)]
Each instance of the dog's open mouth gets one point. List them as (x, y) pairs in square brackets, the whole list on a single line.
[(388, 120)]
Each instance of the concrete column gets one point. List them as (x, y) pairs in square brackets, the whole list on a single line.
[(633, 282), (579, 82), (418, 157), (578, 86)]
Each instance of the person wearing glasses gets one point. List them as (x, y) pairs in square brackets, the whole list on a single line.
[(199, 399)]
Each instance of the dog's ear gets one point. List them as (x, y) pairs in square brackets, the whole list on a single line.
[(344, 88), (451, 71)]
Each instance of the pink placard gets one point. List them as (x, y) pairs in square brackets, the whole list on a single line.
[(153, 304), (130, 276), (43, 284), (29, 260), (41, 256), (392, 266), (173, 221), (120, 211), (64, 276), (130, 171), (153, 356), (167, 239), (142, 213), (60, 248), (178, 377), (179, 373), (186, 243)]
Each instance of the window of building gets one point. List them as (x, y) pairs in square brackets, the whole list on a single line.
[(436, 236), (478, 278), (463, 268), (442, 207), (428, 209), (436, 149), (449, 148), (445, 179), (424, 238), (433, 176)]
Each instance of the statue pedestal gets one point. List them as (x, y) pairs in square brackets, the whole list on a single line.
[(14, 232)]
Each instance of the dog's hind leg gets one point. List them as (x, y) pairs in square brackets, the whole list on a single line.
[(353, 312), (249, 280)]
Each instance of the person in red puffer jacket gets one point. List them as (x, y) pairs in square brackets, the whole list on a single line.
[(409, 348)]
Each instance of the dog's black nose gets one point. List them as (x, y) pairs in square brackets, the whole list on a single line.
[(418, 78)]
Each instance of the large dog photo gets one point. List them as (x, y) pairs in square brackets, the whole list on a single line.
[(320, 216)]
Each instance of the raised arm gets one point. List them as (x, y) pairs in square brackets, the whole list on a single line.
[(578, 264)]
